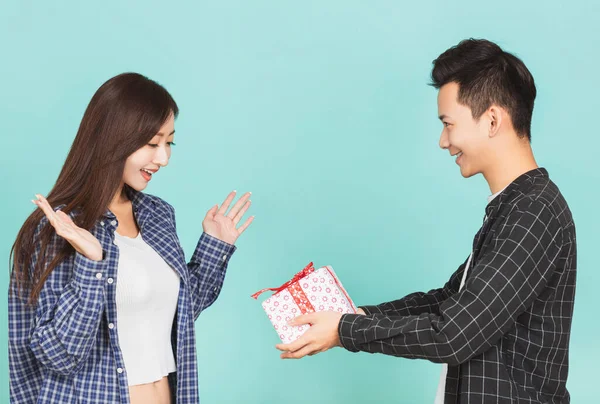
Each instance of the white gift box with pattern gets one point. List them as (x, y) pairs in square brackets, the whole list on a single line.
[(308, 291)]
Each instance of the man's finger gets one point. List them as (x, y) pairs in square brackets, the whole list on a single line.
[(307, 350), (309, 318), (294, 346)]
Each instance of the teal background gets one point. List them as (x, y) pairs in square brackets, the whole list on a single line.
[(320, 108)]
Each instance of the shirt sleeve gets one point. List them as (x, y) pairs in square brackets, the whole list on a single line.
[(419, 302), (207, 269), (503, 284), (68, 313)]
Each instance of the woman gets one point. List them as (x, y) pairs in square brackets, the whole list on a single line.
[(102, 303)]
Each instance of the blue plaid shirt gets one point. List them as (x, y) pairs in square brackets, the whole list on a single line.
[(63, 351)]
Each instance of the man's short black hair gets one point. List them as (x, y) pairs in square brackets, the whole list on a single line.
[(488, 75)]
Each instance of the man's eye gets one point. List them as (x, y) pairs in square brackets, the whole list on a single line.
[(446, 124)]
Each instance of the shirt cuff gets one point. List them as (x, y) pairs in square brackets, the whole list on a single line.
[(345, 331), (371, 310), (213, 251), (88, 273)]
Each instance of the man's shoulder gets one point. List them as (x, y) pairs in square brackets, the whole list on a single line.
[(539, 195)]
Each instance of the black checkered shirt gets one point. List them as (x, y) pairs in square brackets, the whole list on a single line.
[(505, 334)]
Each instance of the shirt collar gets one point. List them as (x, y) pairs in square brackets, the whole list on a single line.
[(491, 197), (521, 182), (142, 203)]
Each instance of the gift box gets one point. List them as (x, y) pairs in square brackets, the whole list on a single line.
[(310, 290)]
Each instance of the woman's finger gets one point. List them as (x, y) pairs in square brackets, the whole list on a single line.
[(62, 223), (46, 204), (245, 225), (241, 213), (81, 240), (65, 218), (236, 208), (46, 208), (67, 225), (211, 213), (226, 203)]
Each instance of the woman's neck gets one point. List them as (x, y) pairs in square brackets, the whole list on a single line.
[(120, 200)]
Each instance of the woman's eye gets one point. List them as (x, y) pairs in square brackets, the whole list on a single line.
[(155, 145)]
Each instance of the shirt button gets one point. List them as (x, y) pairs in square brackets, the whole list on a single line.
[(114, 222), (110, 280), (98, 275), (215, 290), (111, 326), (224, 257), (102, 223), (120, 370)]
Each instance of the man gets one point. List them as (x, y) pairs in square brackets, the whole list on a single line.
[(501, 324)]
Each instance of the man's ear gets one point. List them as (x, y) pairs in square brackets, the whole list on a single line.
[(495, 116)]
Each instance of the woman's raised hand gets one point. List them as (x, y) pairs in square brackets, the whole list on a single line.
[(222, 224), (82, 240)]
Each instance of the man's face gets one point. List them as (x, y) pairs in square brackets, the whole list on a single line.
[(463, 136)]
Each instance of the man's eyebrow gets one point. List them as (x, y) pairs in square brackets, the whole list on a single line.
[(442, 117)]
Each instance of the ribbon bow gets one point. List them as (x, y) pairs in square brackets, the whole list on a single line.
[(307, 270)]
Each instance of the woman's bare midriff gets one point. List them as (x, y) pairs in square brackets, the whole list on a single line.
[(151, 393)]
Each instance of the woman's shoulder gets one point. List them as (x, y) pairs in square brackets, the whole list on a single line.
[(157, 203)]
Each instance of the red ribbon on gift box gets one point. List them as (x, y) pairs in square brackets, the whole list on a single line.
[(298, 294), (307, 270), (295, 290)]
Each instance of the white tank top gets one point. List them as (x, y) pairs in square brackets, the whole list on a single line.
[(146, 297)]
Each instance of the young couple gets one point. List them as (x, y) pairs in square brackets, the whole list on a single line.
[(102, 302)]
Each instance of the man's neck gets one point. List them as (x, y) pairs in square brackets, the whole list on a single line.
[(508, 166)]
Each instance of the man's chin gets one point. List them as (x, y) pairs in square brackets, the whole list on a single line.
[(466, 173)]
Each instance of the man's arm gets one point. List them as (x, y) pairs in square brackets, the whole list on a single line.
[(503, 284), (419, 302)]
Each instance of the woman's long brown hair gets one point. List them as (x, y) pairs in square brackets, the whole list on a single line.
[(124, 115)]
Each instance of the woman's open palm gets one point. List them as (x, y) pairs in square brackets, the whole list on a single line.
[(222, 225), (82, 240)]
